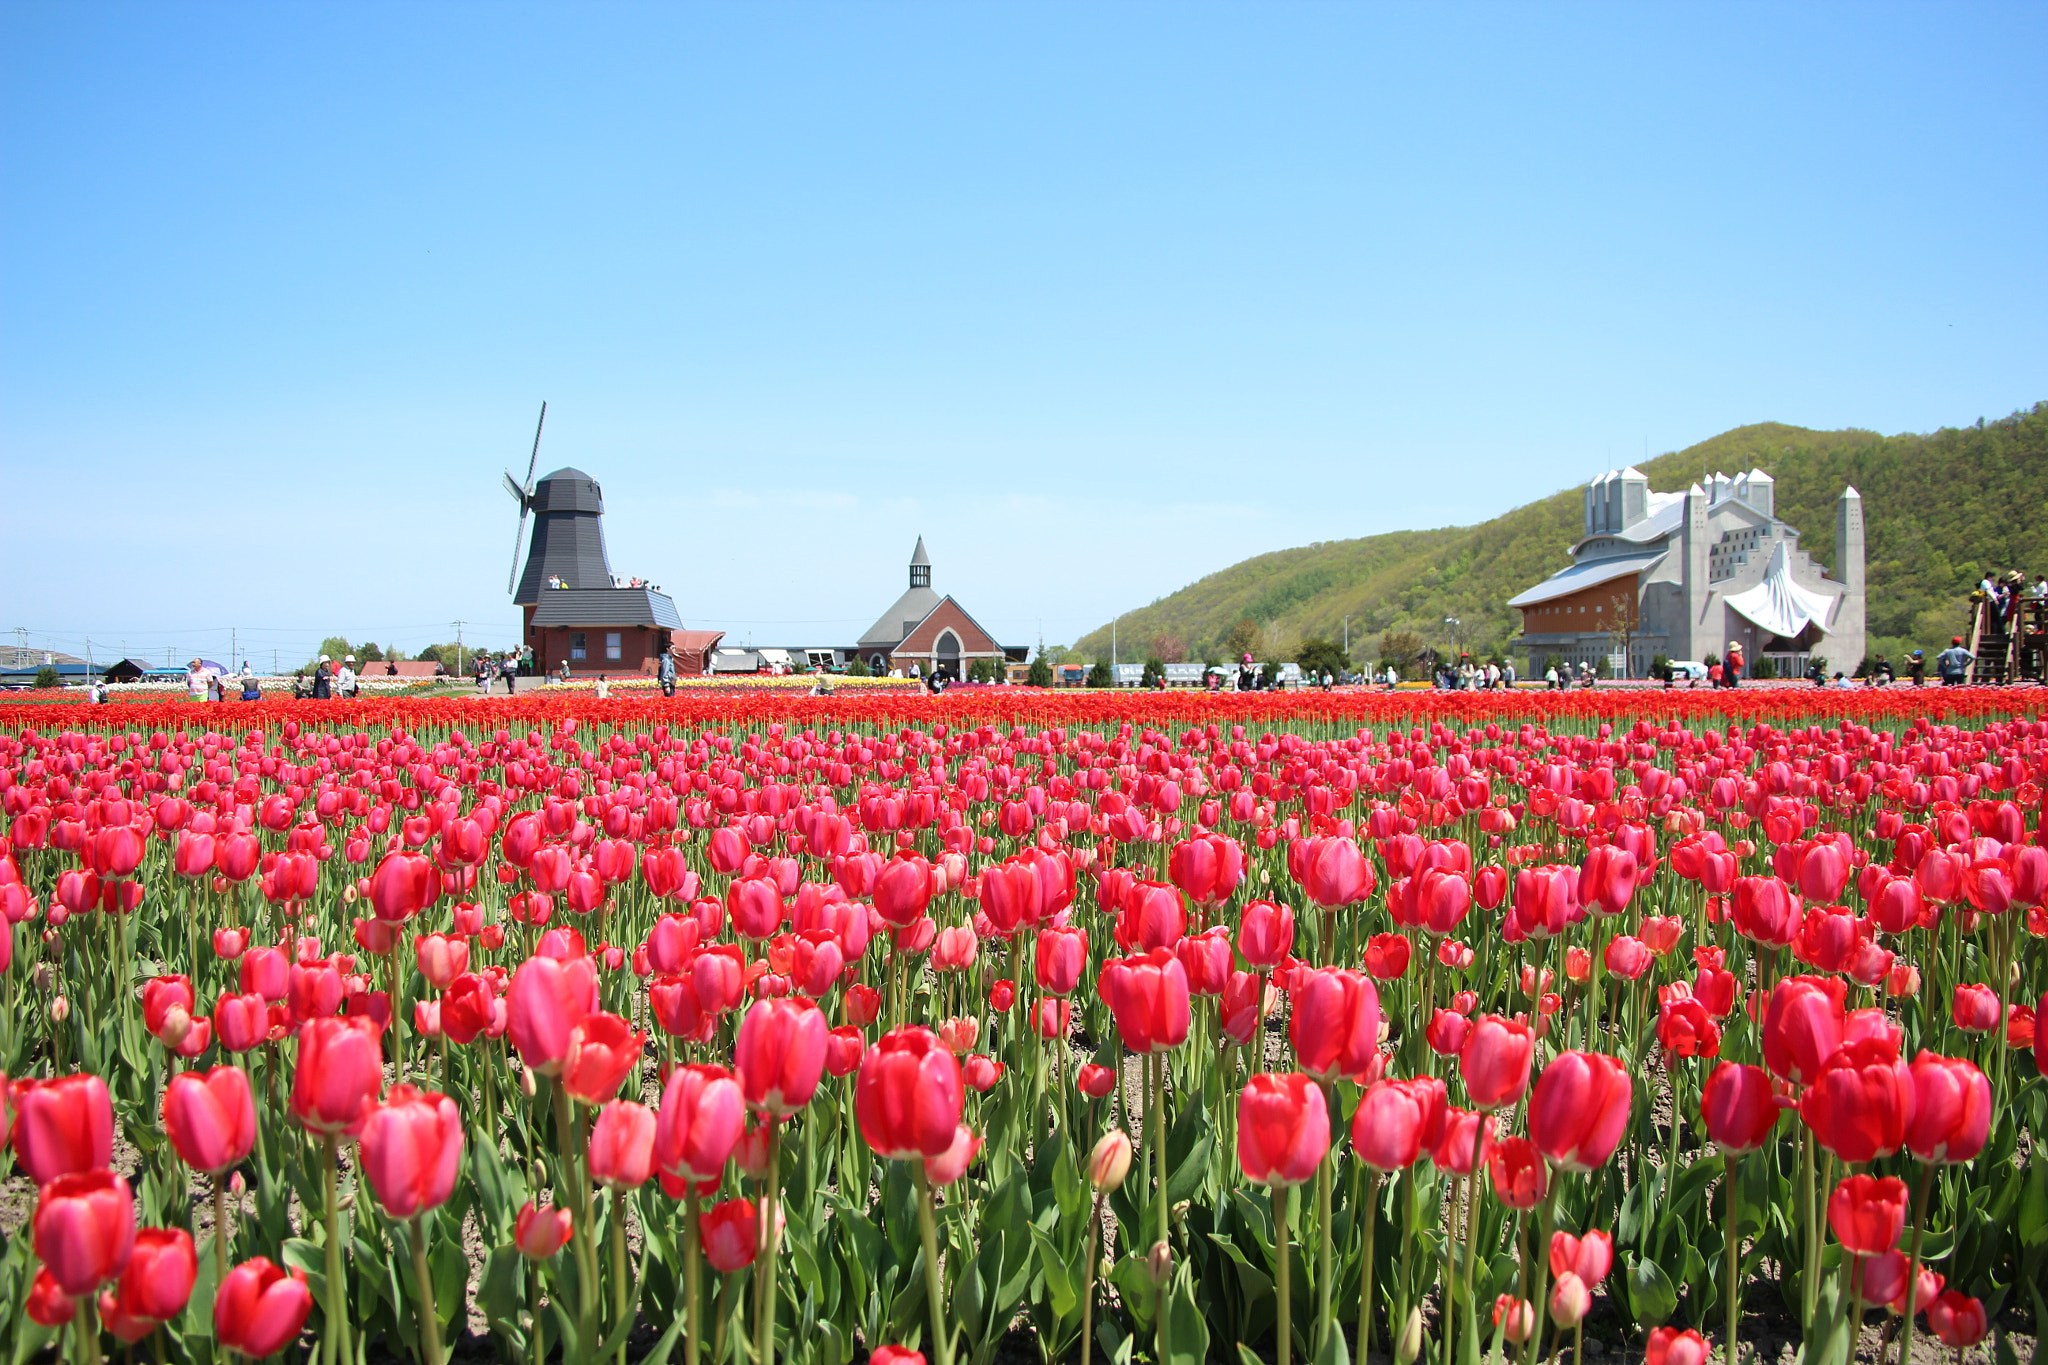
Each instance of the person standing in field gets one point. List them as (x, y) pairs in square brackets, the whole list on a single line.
[(1954, 663)]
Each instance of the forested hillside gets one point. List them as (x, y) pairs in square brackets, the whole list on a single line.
[(1939, 509)]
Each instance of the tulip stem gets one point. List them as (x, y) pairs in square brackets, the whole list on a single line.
[(430, 1314), (1157, 1117), (1371, 1212), (928, 1231), (1913, 1304), (569, 1134), (1285, 1330), (619, 1306), (1093, 1238), (220, 1227), (1810, 1216), (1540, 1254), (1323, 1323), (1731, 1347), (764, 1269), (693, 1276), (335, 1330)]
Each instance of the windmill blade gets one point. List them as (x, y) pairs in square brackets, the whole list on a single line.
[(524, 494)]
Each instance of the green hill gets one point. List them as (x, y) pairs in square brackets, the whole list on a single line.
[(1939, 509)]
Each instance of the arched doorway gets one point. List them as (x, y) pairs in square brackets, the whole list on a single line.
[(946, 654)]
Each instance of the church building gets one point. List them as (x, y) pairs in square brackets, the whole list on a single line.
[(1686, 574), (932, 632)]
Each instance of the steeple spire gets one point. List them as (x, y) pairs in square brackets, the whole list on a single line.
[(920, 566)]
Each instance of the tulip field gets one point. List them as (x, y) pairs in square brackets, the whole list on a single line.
[(1108, 1027)]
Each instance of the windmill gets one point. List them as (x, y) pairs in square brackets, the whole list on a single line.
[(523, 495)]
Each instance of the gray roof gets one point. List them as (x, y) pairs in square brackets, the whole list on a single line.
[(568, 536), (915, 604), (606, 607), (918, 556), (1590, 574)]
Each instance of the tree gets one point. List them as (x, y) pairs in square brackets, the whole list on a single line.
[(47, 676), (1153, 674), (1054, 655), (1041, 671), (1621, 627), (857, 667), (981, 671), (1100, 676), (1318, 655), (368, 652), (335, 647), (1403, 649), (1169, 648), (1241, 639)]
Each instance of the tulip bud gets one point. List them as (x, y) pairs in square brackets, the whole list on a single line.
[(1409, 1344), (44, 975), (1570, 1301), (526, 1083), (60, 1010), (1160, 1262), (177, 1023), (1110, 1162)]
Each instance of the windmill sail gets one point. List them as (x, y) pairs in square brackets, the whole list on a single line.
[(523, 495)]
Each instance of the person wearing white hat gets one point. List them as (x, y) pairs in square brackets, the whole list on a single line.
[(323, 680)]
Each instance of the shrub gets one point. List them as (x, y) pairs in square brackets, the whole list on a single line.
[(1041, 672)]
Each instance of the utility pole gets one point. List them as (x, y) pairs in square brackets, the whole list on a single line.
[(459, 670), (1112, 640), (234, 646), (273, 661), (1347, 637)]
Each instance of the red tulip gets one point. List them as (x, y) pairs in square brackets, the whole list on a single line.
[(1669, 1346), (1446, 1032), (340, 1070), (1580, 1109), (1265, 933), (1685, 1029), (1096, 1082), (1061, 957), (1151, 916), (156, 1285), (1627, 958), (85, 1229), (541, 1230), (603, 1051), (1283, 1129), (48, 1304), (1334, 1023), (1386, 956), (441, 959), (412, 1151), (1868, 1213), (780, 1054), (1570, 1300), (949, 1165), (731, 1235), (403, 885), (1397, 1121), (909, 1095), (265, 972), (1861, 1104), (903, 888), (1803, 1026), (1589, 1257), (1463, 1129), (1495, 1061), (1957, 1319), (160, 996), (1738, 1107), (1336, 873), (1519, 1174), (622, 1145), (1951, 1109), (548, 999), (1206, 868), (63, 1126), (259, 1309), (210, 1117), (1148, 995), (1976, 1008), (895, 1355)]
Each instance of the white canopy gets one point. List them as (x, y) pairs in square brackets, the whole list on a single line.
[(1779, 605)]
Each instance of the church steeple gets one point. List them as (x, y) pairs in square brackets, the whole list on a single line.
[(920, 566)]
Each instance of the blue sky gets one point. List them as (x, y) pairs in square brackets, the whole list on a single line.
[(1096, 298)]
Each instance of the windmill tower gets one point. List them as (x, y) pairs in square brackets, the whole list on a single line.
[(573, 614), (568, 530)]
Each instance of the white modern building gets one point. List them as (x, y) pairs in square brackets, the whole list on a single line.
[(1690, 573)]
